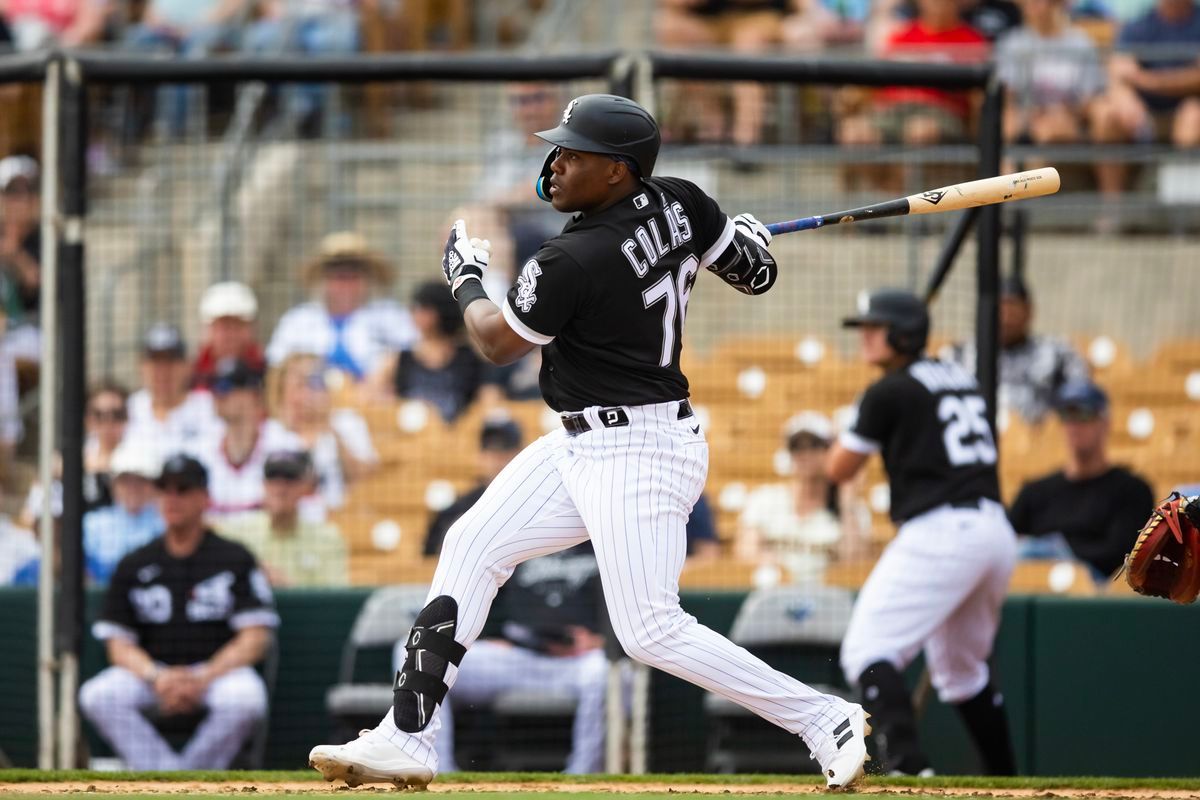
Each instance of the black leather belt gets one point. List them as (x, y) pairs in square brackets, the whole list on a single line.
[(966, 503), (615, 417)]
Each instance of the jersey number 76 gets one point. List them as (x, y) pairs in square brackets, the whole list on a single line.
[(675, 291)]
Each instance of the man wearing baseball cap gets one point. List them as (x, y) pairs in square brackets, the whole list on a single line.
[(228, 311), (185, 619), (294, 551), (164, 416), (236, 458), (1092, 505)]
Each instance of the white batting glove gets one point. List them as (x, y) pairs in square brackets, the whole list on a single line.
[(747, 224), (464, 258)]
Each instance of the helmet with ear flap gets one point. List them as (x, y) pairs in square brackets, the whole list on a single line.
[(542, 184), (603, 123)]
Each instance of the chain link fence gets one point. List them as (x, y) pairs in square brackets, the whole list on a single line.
[(263, 296)]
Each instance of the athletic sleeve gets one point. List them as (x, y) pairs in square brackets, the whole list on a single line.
[(873, 421), (546, 295), (712, 229), (117, 620), (1019, 513), (253, 600)]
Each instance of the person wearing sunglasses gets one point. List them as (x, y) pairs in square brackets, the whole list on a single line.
[(293, 550), (105, 422), (1090, 509)]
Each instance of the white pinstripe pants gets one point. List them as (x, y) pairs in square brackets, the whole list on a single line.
[(940, 585), (630, 489), (113, 701)]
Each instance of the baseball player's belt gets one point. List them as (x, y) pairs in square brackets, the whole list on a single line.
[(615, 417)]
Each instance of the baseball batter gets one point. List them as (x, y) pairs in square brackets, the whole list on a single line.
[(606, 301), (940, 583)]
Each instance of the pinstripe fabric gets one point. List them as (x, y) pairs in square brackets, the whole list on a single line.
[(940, 585), (631, 490)]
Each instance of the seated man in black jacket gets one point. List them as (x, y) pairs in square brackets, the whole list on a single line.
[(185, 619), (1096, 508)]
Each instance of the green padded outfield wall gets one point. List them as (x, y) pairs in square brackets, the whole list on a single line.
[(1065, 665)]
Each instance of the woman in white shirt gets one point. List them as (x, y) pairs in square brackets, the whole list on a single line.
[(337, 439), (798, 525)]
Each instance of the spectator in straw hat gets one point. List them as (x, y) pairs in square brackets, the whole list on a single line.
[(228, 311), (343, 324), (803, 523)]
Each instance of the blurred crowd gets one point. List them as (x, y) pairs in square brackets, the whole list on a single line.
[(279, 431), (1098, 71)]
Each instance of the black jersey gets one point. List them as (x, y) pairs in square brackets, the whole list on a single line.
[(607, 297), (547, 596), (930, 423), (182, 610)]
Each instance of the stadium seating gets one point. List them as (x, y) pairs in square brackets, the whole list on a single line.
[(744, 392)]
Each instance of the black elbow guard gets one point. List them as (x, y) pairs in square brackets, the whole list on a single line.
[(746, 265)]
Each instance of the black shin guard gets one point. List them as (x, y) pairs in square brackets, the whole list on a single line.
[(421, 685), (987, 723), (885, 697)]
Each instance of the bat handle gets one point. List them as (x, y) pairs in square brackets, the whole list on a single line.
[(792, 225)]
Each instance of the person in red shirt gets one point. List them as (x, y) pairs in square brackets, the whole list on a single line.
[(228, 311), (917, 115)]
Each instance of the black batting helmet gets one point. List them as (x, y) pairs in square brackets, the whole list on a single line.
[(603, 123), (904, 315)]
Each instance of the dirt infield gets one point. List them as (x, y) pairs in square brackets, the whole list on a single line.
[(534, 787)]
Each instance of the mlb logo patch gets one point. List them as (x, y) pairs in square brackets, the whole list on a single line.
[(641, 201)]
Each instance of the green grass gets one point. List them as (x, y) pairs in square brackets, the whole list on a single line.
[(983, 784)]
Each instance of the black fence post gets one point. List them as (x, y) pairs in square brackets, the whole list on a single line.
[(987, 312), (72, 165)]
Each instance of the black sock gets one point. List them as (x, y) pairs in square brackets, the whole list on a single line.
[(886, 698), (987, 723)]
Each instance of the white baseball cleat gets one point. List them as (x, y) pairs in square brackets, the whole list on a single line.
[(844, 755), (371, 758)]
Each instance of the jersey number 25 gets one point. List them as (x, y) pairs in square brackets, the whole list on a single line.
[(968, 436)]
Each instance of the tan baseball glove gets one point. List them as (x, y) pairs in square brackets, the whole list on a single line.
[(1165, 560)]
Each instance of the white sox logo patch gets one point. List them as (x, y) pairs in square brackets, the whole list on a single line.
[(567, 111), (933, 196), (527, 283)]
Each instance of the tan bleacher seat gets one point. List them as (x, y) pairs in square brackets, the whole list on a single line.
[(378, 569), (722, 573), (1105, 355), (1178, 356), (403, 533), (1029, 577)]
